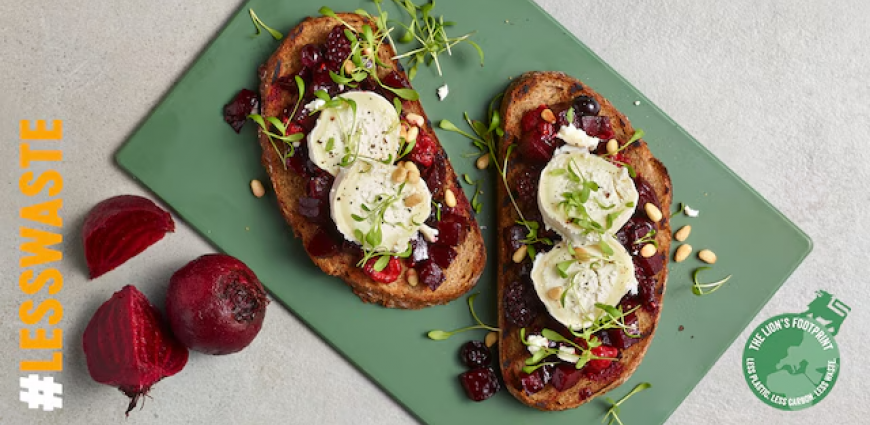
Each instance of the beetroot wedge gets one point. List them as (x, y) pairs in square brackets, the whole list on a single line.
[(129, 346), (121, 227)]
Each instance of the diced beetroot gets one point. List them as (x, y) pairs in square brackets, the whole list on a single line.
[(536, 146), (431, 274), (531, 118), (314, 209), (565, 376), (434, 177), (620, 339), (311, 55), (480, 384), (650, 265), (424, 150), (419, 251), (395, 80), (388, 275), (319, 185), (320, 80), (645, 194), (598, 365), (514, 236), (646, 289), (526, 185), (323, 244), (449, 233), (442, 255), (236, 112), (597, 127), (533, 382)]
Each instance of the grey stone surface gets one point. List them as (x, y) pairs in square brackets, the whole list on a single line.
[(778, 90)]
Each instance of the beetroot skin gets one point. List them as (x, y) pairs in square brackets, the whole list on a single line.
[(216, 304), (121, 227), (128, 345)]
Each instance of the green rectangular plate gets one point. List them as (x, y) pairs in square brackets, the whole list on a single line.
[(201, 168)]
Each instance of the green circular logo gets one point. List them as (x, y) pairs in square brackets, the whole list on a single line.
[(791, 362)]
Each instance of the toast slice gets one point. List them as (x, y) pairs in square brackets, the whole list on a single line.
[(462, 273), (524, 94)]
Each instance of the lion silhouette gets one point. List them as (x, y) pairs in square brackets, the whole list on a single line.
[(828, 311)]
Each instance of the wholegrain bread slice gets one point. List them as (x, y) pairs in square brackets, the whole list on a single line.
[(526, 93), (463, 272)]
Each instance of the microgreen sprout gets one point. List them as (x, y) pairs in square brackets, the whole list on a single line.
[(259, 24), (706, 288), (288, 139), (476, 203), (364, 57), (439, 335), (485, 138), (638, 134), (649, 237), (430, 33), (613, 412)]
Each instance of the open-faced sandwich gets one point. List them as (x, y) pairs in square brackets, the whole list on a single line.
[(583, 243), (357, 170)]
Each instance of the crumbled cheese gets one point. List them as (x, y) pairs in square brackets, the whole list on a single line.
[(567, 354), (536, 342), (430, 234), (636, 103), (443, 91), (690, 212), (314, 105), (577, 137)]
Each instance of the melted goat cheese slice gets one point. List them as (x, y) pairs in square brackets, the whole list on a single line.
[(595, 278), (365, 197), (583, 196), (372, 133)]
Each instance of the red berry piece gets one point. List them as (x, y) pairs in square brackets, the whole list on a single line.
[(475, 354), (388, 275), (236, 112), (532, 118), (597, 127), (480, 384), (424, 150), (597, 365)]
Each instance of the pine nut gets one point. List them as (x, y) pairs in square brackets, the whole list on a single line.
[(548, 116), (400, 174), (612, 146), (411, 166), (449, 198), (413, 200), (491, 339), (653, 212), (413, 176), (367, 51), (483, 162), (411, 277), (554, 293), (648, 250), (257, 188), (520, 254), (403, 131), (683, 252), (581, 254), (707, 256), (349, 66), (414, 119), (683, 233), (413, 132)]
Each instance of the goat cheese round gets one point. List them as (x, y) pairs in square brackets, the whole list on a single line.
[(583, 196), (373, 132), (371, 209), (583, 280)]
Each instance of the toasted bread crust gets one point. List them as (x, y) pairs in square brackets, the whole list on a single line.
[(463, 272), (525, 93)]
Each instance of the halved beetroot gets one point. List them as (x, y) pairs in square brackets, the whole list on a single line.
[(121, 227)]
